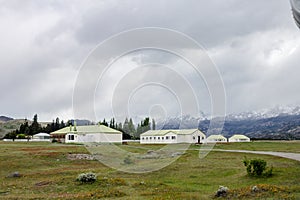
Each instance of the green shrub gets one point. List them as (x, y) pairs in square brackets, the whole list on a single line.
[(21, 136), (257, 167), (87, 177), (128, 160)]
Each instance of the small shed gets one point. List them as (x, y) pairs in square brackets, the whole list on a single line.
[(41, 137), (239, 138), (216, 138)]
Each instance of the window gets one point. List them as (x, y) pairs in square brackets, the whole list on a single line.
[(194, 138), (167, 137), (150, 138), (70, 137), (158, 138), (162, 138), (154, 138), (146, 138), (143, 138), (173, 137)]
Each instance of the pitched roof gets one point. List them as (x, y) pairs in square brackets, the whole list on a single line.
[(42, 134), (216, 137), (85, 130), (165, 132), (239, 137)]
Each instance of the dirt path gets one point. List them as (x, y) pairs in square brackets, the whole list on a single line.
[(293, 156)]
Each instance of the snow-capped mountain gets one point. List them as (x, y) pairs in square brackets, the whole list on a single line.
[(281, 122), (182, 122), (266, 113)]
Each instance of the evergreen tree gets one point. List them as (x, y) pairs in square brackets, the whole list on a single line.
[(126, 126), (131, 127), (35, 127), (112, 123), (146, 124), (53, 126), (104, 123), (57, 124), (153, 124), (11, 135), (143, 127), (23, 127), (62, 124), (120, 127), (138, 130)]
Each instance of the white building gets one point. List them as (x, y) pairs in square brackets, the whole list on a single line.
[(216, 138), (239, 138), (84, 134), (40, 137), (172, 136)]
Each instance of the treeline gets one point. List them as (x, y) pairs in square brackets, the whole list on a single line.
[(129, 130), (26, 129)]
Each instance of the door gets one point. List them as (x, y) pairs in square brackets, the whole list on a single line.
[(199, 138)]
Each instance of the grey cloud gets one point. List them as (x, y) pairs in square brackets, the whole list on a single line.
[(45, 42)]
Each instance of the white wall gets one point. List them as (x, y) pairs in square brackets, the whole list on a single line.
[(26, 140), (162, 139), (95, 137), (186, 138), (192, 138), (215, 140), (238, 140), (108, 138)]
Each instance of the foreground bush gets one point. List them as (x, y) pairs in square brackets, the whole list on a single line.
[(257, 167), (261, 191), (87, 177), (222, 191)]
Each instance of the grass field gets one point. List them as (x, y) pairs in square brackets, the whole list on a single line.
[(48, 174), (282, 146)]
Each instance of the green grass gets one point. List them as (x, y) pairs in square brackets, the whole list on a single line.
[(48, 174), (282, 146)]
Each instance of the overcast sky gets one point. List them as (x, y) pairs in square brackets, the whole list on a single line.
[(254, 44)]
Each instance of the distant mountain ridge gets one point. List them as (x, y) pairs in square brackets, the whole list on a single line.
[(281, 122), (266, 113), (5, 119)]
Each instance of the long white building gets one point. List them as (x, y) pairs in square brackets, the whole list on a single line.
[(172, 136), (84, 134)]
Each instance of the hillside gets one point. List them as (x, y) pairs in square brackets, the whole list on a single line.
[(10, 125)]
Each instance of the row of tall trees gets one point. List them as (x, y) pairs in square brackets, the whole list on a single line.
[(28, 129), (128, 127)]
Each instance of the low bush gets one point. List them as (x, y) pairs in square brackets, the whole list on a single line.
[(222, 192), (257, 167), (87, 177), (128, 160), (21, 136)]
